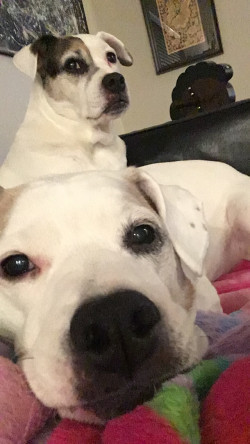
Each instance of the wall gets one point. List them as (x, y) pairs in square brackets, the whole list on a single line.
[(150, 94), (14, 95)]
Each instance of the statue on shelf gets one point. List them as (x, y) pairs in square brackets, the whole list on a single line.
[(202, 87)]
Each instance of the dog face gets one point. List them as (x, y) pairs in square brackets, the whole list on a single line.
[(98, 287), (79, 74)]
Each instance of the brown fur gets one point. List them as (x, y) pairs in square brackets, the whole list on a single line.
[(50, 51)]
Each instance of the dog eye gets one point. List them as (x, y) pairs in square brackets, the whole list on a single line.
[(143, 234), (111, 57), (16, 265), (75, 66), (141, 239)]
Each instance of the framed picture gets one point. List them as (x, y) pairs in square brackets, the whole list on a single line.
[(181, 31), (23, 21)]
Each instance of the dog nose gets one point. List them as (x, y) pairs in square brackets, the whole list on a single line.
[(115, 333), (114, 82)]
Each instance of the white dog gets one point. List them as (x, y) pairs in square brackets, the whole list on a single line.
[(101, 299), (77, 92)]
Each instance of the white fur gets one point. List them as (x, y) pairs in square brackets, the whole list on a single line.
[(78, 250), (64, 129), (225, 194)]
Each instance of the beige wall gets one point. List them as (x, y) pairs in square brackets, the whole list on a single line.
[(14, 95), (151, 93)]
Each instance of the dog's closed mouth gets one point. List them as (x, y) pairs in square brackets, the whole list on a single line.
[(114, 403), (116, 106), (120, 401), (124, 399)]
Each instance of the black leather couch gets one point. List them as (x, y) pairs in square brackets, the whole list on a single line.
[(222, 135)]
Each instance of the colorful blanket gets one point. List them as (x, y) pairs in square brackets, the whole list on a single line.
[(229, 341), (228, 333), (180, 399)]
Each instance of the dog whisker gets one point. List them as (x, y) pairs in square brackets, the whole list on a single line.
[(21, 355), (24, 358), (202, 335), (155, 389)]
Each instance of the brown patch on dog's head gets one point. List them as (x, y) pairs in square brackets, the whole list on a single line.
[(50, 51), (76, 44)]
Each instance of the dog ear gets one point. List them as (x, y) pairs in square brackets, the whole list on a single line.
[(123, 55), (187, 229), (31, 58), (183, 217), (26, 61)]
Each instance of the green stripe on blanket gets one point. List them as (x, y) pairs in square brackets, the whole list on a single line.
[(178, 400)]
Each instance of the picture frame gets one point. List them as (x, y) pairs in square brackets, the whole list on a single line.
[(22, 22), (181, 32)]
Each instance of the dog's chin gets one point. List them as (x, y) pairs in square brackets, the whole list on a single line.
[(100, 409), (115, 108), (106, 404), (120, 401)]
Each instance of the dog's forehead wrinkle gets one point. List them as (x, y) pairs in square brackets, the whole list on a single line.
[(141, 197), (8, 199)]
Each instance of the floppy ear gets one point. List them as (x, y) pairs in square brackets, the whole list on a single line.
[(30, 58), (26, 61), (123, 55), (186, 227), (183, 217)]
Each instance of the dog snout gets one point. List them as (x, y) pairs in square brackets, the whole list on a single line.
[(114, 83), (115, 333)]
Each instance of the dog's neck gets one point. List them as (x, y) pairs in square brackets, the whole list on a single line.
[(65, 118)]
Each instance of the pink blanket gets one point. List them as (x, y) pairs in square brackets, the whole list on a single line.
[(234, 288)]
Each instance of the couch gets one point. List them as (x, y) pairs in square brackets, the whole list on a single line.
[(222, 135)]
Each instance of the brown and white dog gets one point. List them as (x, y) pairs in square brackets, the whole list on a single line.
[(77, 93)]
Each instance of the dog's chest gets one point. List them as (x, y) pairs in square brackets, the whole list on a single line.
[(84, 157), (31, 159)]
